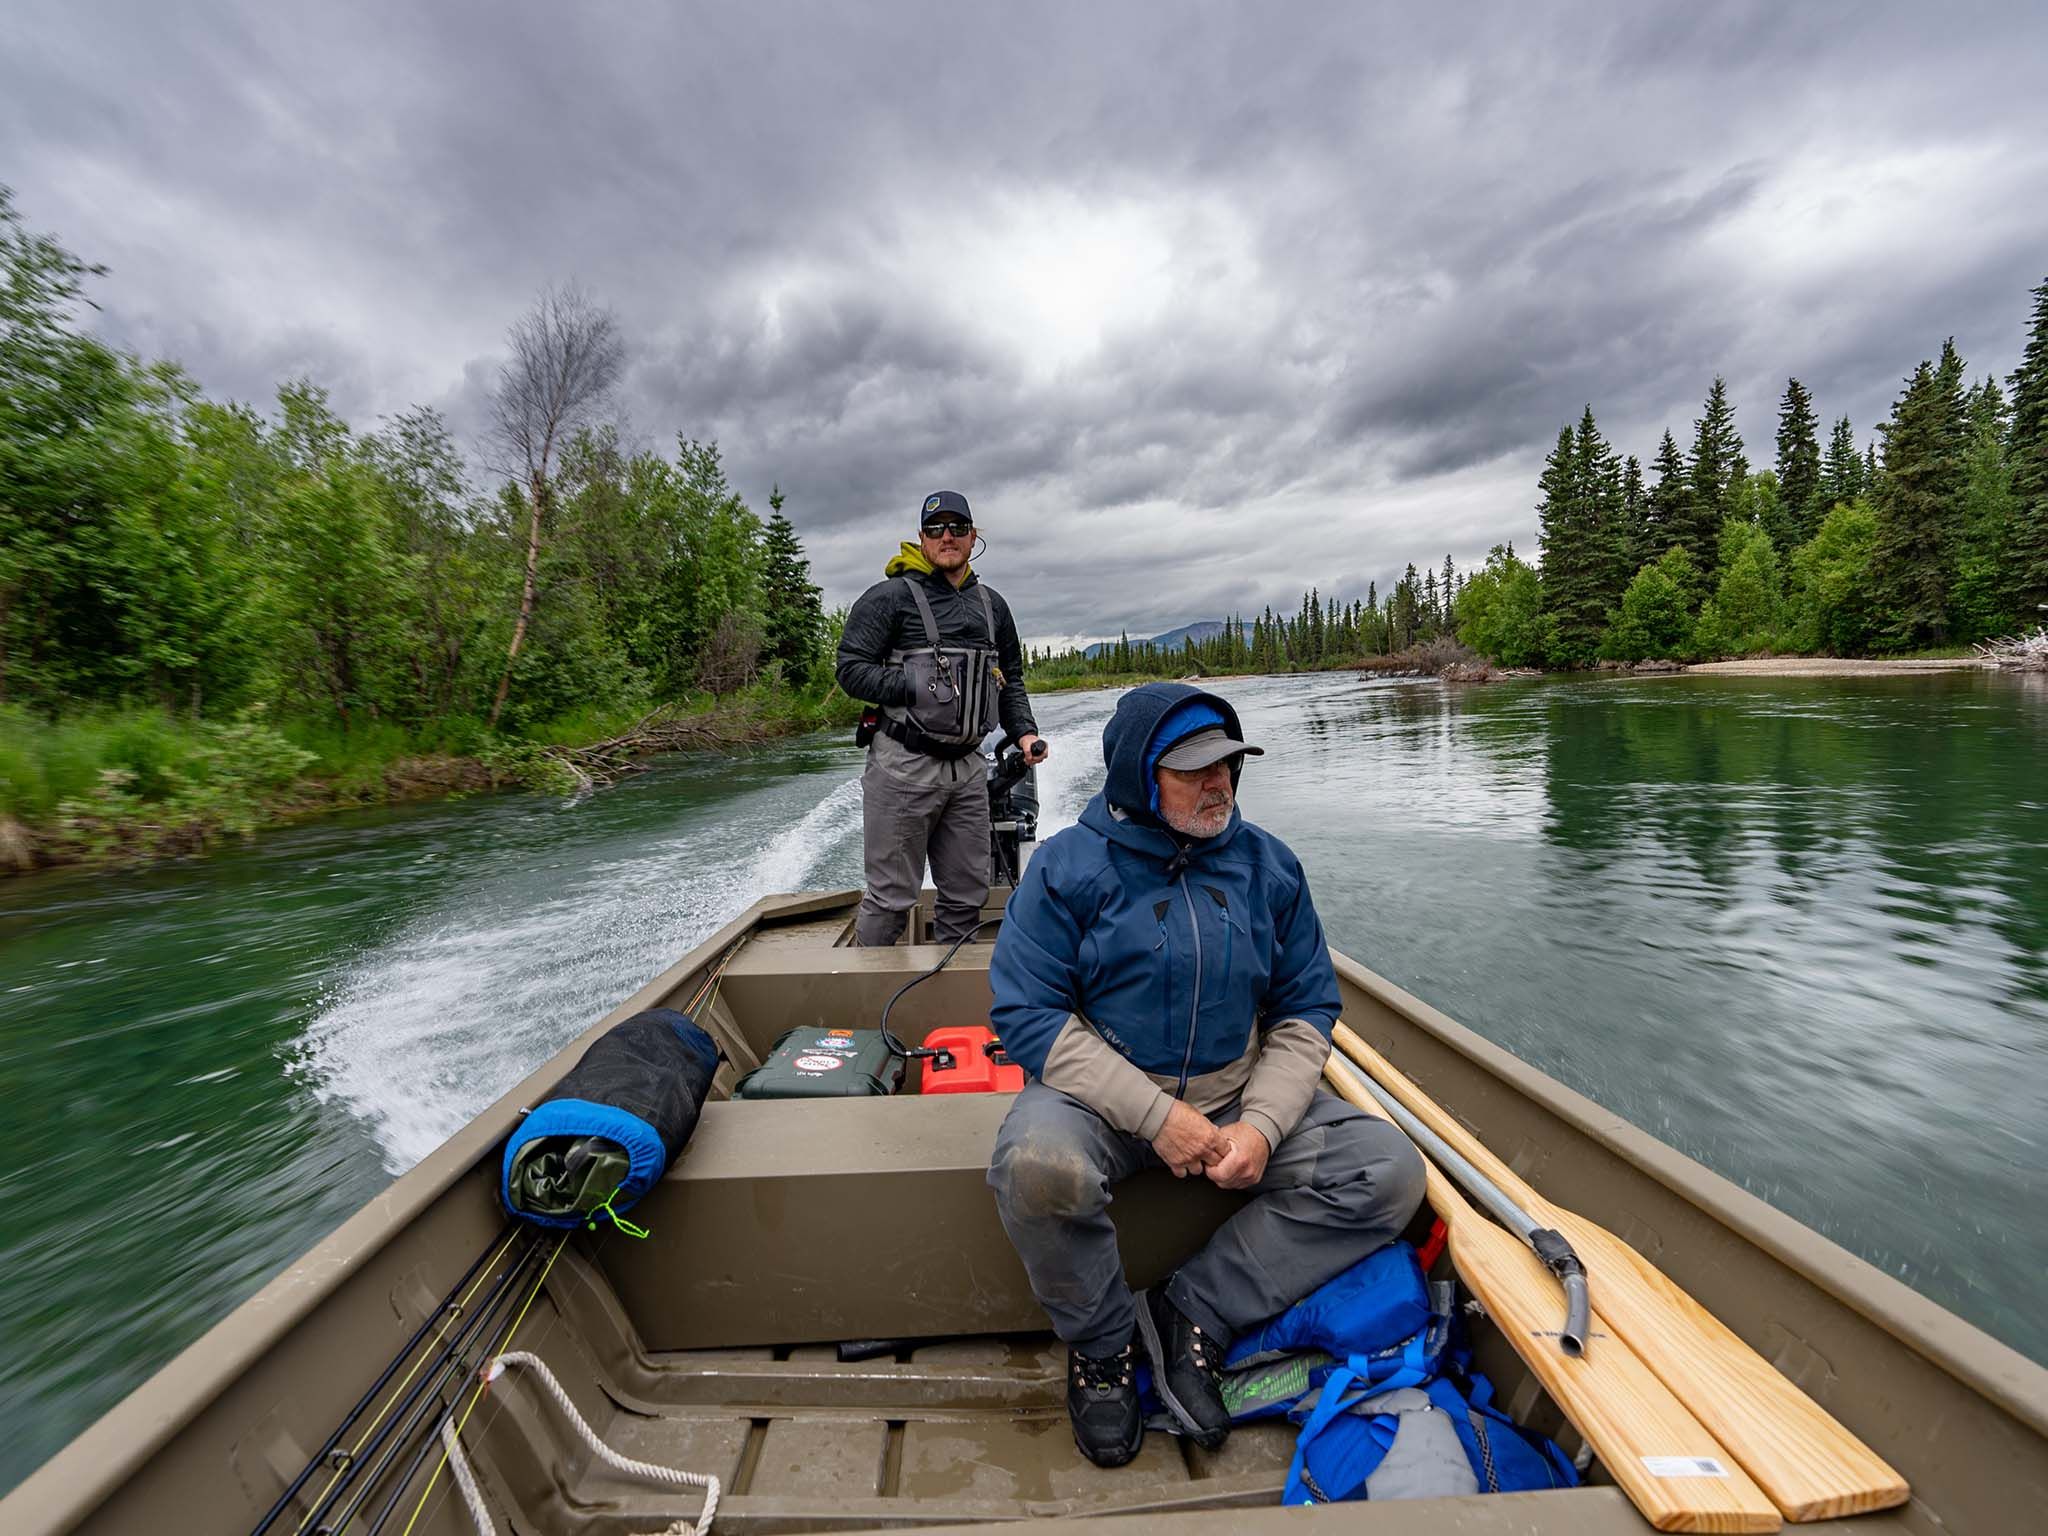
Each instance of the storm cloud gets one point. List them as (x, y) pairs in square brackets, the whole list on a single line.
[(1199, 304)]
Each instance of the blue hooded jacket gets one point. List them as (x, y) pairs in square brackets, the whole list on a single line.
[(1175, 951)]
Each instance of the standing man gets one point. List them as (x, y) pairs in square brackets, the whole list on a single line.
[(1162, 975), (937, 651)]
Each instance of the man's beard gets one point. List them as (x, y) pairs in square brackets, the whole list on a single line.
[(1199, 823)]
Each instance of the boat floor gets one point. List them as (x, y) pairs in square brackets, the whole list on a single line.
[(970, 1429), (932, 1433)]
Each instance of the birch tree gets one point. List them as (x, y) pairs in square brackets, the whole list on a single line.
[(566, 355)]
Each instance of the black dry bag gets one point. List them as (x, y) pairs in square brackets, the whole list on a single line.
[(612, 1126)]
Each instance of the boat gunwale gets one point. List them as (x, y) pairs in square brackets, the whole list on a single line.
[(1943, 1338)]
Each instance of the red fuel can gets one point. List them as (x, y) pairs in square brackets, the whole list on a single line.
[(979, 1065)]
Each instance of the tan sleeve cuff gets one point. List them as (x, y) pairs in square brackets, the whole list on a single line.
[(1265, 1125), (1284, 1078), (1155, 1117)]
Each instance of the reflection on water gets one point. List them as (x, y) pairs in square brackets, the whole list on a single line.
[(1796, 927)]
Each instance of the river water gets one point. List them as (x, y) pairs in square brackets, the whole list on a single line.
[(1797, 928)]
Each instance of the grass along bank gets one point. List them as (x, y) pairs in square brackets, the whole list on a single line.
[(122, 784)]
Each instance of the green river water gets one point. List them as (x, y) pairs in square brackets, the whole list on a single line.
[(1796, 928)]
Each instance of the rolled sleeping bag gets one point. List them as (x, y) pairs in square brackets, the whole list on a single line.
[(615, 1122)]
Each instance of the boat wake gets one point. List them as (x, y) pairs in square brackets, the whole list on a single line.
[(422, 1033)]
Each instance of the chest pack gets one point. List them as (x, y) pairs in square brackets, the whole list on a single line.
[(953, 688)]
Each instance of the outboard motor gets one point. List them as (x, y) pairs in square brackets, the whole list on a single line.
[(1012, 810)]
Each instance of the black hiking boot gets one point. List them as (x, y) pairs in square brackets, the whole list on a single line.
[(1102, 1401), (1187, 1369)]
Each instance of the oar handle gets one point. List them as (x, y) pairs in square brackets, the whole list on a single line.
[(1555, 1250)]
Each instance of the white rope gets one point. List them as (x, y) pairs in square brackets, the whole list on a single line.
[(466, 1479)]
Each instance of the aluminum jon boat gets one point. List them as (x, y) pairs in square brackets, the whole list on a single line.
[(790, 1227)]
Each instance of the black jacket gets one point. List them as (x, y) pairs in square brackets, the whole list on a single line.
[(884, 619)]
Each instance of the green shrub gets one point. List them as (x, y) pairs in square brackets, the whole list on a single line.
[(24, 787)]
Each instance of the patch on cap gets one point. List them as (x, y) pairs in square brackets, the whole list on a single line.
[(932, 505)]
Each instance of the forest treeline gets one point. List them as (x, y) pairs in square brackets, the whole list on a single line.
[(194, 591), (1318, 636), (1934, 534)]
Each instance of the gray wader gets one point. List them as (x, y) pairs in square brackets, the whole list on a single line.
[(917, 806), (1341, 1184)]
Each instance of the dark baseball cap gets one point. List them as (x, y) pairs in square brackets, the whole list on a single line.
[(1198, 749), (944, 507)]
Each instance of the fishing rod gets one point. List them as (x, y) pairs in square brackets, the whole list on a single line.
[(446, 1417), (449, 1305), (710, 983), (405, 1416), (1548, 1244)]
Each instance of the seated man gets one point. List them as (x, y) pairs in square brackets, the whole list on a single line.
[(1162, 975)]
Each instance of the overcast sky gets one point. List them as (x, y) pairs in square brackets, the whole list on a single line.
[(1197, 304)]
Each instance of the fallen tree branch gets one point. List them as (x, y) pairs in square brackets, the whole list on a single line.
[(659, 731), (2021, 653)]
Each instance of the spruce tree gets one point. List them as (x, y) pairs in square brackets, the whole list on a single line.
[(2027, 458), (1601, 493), (1633, 540), (1841, 475), (795, 619), (1404, 613), (1799, 476), (1579, 522), (1980, 603), (1915, 510), (1670, 502), (1717, 462)]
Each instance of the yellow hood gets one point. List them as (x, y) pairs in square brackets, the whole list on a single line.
[(910, 561)]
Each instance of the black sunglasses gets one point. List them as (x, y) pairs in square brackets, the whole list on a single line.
[(940, 530)]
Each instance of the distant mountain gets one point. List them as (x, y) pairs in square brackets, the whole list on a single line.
[(1173, 639)]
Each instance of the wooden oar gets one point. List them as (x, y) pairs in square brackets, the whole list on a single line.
[(1811, 1466), (1673, 1471)]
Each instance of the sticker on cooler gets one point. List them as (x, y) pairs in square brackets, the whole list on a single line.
[(1684, 1466), (819, 1063)]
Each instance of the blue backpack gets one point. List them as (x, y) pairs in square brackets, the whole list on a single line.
[(1383, 1392), (1376, 1303), (1506, 1457), (1440, 1438)]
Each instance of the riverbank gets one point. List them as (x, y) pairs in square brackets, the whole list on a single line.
[(123, 788), (1434, 658), (1835, 666)]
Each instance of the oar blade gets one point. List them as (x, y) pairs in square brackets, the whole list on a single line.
[(1812, 1467), (1673, 1470)]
